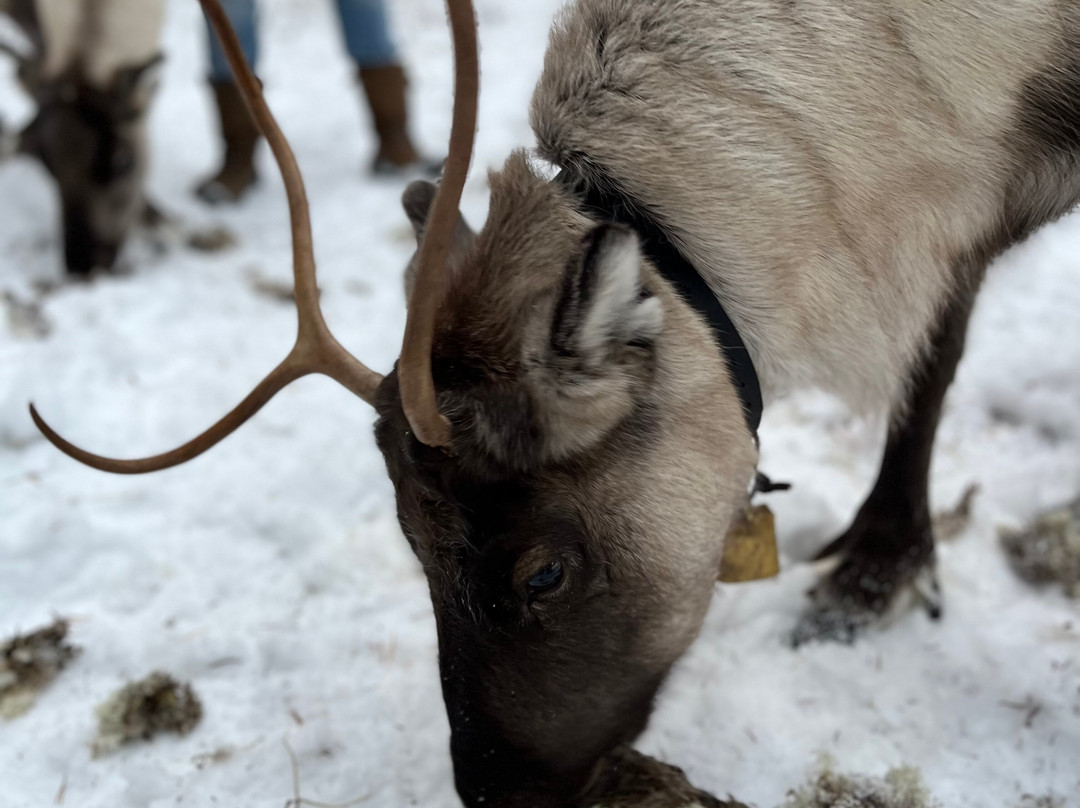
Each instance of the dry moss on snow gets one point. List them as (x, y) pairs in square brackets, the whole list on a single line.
[(29, 662), (900, 788), (638, 781), (1048, 552), (140, 710)]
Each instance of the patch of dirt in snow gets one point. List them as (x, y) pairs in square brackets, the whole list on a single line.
[(949, 524), (29, 662), (25, 318), (1048, 552), (1045, 801), (900, 788), (212, 239), (140, 710)]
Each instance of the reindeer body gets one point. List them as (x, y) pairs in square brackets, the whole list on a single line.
[(840, 174), (90, 73), (828, 167)]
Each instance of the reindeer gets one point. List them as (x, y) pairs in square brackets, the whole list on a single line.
[(752, 197), (90, 66)]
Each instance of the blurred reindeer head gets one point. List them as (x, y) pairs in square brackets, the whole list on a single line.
[(91, 139), (567, 452)]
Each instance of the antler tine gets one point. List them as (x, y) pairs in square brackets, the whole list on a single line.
[(316, 350), (417, 385), (281, 376), (307, 293)]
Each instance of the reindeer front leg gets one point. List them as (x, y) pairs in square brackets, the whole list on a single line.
[(889, 547)]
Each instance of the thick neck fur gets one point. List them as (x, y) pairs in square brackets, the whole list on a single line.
[(827, 185)]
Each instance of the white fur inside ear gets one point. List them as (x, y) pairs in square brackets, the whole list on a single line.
[(617, 310)]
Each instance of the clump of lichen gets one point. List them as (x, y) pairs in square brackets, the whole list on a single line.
[(29, 662), (900, 788), (140, 710), (1048, 552), (635, 780)]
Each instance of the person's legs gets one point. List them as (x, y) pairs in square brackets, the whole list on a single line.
[(238, 130), (367, 37), (244, 17), (367, 32)]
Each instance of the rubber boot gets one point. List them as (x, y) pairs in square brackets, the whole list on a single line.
[(238, 131), (384, 88)]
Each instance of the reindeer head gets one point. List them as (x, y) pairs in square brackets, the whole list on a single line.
[(91, 139), (567, 451), (571, 530)]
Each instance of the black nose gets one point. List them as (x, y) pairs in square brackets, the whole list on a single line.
[(489, 773)]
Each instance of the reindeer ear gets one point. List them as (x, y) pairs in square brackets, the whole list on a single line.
[(595, 359), (417, 201), (134, 87), (603, 307)]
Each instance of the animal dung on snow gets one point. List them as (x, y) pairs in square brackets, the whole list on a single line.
[(140, 710), (29, 662)]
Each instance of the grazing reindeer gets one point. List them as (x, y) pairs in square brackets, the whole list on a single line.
[(753, 195), (90, 69)]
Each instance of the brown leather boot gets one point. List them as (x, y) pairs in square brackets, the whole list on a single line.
[(238, 130), (385, 88)]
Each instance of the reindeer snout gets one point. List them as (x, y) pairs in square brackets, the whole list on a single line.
[(544, 759), (495, 777)]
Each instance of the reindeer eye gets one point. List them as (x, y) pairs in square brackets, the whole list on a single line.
[(546, 579)]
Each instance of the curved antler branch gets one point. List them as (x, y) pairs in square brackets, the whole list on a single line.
[(315, 351), (418, 397), (279, 377)]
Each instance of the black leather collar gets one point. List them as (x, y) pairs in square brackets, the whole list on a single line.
[(611, 205)]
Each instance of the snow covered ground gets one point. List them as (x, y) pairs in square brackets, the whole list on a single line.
[(272, 574)]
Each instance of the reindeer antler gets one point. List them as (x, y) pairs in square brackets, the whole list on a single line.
[(316, 350), (414, 369)]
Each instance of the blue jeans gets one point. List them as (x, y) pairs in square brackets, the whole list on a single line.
[(365, 24)]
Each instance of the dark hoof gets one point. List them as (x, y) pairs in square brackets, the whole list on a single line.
[(863, 591)]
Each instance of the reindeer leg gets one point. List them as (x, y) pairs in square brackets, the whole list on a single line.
[(889, 547)]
